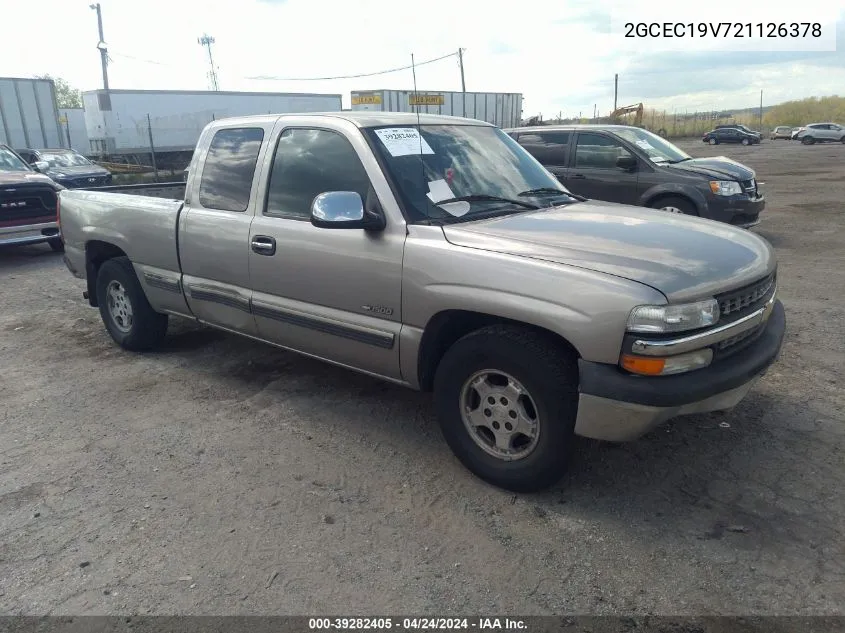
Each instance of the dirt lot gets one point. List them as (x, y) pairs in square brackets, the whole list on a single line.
[(222, 476)]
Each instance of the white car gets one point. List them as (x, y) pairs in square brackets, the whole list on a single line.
[(821, 133)]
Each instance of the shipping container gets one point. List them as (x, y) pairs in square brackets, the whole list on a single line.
[(503, 109), (72, 122), (117, 120), (29, 116)]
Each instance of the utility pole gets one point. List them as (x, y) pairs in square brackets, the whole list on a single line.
[(206, 40), (615, 90), (463, 83), (761, 110), (594, 110), (101, 45)]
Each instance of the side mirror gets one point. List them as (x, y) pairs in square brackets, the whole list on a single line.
[(343, 210), (41, 166), (628, 163)]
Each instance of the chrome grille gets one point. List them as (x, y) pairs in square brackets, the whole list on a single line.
[(738, 300), (749, 186)]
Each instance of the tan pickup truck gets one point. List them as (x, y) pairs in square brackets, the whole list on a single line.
[(436, 253)]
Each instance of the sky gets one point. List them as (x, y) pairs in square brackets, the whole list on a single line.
[(560, 54)]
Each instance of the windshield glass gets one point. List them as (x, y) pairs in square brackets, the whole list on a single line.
[(659, 150), (459, 161), (10, 162), (65, 159)]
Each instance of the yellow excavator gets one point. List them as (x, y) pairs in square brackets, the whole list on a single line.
[(621, 115)]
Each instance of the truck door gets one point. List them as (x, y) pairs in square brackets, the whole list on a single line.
[(214, 230), (595, 174), (331, 293)]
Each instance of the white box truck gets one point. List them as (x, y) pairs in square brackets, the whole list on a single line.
[(118, 122), (503, 109)]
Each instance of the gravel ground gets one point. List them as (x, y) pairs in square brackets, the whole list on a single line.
[(220, 476)]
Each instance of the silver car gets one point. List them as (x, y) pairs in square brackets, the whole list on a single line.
[(821, 133)]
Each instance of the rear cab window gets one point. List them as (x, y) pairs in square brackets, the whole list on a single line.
[(229, 168)]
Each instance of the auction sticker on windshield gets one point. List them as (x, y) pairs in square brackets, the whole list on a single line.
[(645, 145), (403, 141)]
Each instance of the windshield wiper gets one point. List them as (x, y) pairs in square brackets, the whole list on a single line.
[(481, 197), (680, 160), (539, 191)]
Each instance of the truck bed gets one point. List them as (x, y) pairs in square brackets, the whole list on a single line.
[(144, 227)]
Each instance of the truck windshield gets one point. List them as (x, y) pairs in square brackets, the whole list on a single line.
[(10, 162), (65, 159), (659, 150), (455, 172)]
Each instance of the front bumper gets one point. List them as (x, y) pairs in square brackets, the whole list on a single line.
[(616, 406), (741, 210), (28, 234)]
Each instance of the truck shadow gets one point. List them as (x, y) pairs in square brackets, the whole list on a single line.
[(703, 476), (17, 257)]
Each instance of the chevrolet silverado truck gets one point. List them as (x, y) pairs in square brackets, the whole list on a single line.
[(27, 204), (436, 253)]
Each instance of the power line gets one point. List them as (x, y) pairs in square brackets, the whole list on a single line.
[(380, 72)]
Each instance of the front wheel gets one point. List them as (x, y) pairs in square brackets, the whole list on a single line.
[(506, 400), (808, 140), (674, 204), (713, 141), (126, 313), (842, 140)]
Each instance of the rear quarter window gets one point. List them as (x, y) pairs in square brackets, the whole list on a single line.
[(229, 167)]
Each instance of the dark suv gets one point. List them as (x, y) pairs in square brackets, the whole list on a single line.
[(629, 165), (67, 167)]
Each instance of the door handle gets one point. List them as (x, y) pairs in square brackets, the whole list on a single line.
[(263, 245), (578, 177)]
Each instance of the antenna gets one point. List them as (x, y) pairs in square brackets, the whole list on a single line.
[(206, 40), (417, 108)]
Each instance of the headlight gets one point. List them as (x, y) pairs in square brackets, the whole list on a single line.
[(58, 174), (725, 187), (673, 318)]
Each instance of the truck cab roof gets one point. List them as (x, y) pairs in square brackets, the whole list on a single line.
[(361, 119)]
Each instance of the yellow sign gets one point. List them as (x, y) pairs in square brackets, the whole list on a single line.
[(426, 100), (370, 99), (63, 119)]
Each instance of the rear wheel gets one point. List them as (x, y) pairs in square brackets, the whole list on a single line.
[(126, 313), (674, 204), (745, 141), (506, 400), (842, 140)]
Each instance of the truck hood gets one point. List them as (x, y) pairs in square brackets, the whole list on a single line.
[(718, 167), (23, 178), (79, 171), (683, 257)]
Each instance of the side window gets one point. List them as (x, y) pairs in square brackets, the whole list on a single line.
[(309, 162), (598, 151), (550, 148), (229, 168)]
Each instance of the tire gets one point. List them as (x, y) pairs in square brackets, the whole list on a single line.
[(139, 327), (542, 370), (56, 244), (842, 140), (808, 140), (713, 141), (745, 141), (668, 203)]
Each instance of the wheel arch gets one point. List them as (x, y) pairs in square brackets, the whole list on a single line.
[(96, 253), (448, 326)]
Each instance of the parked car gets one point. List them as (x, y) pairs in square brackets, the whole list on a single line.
[(434, 252), (738, 126), (730, 135), (629, 165), (781, 131), (796, 131), (68, 167), (821, 133), (27, 203)]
